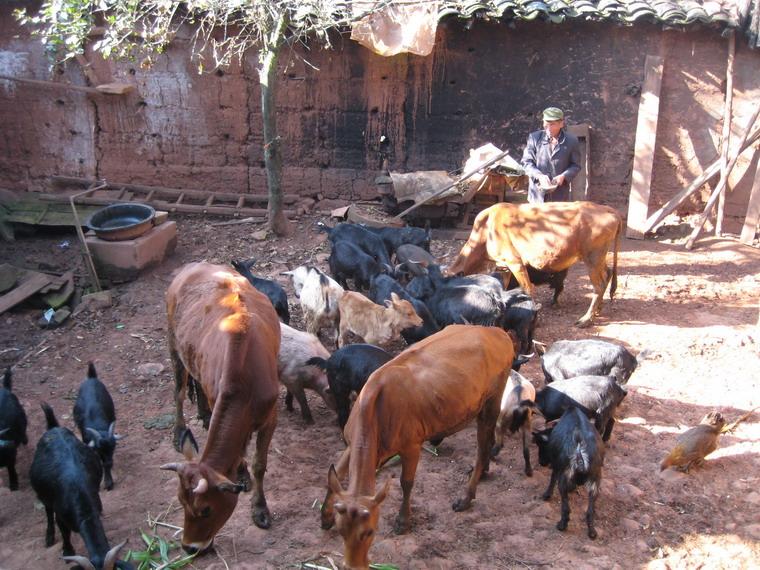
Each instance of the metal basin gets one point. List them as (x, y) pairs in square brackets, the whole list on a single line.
[(121, 221)]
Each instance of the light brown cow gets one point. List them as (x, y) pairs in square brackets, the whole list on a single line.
[(548, 237), (375, 324), (429, 391), (226, 336)]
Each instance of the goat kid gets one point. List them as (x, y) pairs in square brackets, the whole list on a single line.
[(575, 452), (12, 429), (517, 404), (65, 475), (95, 418)]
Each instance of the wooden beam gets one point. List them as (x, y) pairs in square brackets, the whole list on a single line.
[(726, 129), (722, 184), (644, 148), (107, 88), (753, 211), (682, 195)]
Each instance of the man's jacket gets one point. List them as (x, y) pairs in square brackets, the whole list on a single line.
[(539, 158)]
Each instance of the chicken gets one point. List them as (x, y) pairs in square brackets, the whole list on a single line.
[(694, 444)]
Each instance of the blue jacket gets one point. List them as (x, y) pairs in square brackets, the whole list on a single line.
[(538, 158)]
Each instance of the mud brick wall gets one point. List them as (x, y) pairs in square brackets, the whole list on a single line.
[(345, 111)]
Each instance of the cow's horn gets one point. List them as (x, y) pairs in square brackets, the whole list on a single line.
[(170, 466), (201, 487), (94, 433), (81, 560), (112, 555)]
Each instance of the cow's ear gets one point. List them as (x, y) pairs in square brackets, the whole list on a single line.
[(395, 298), (188, 446), (382, 493), (333, 483), (388, 302)]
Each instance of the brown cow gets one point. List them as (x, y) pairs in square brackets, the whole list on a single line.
[(225, 335), (549, 237), (429, 391)]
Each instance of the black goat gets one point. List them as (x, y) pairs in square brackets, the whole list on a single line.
[(575, 452), (12, 429), (555, 281), (596, 396), (66, 474), (380, 291), (571, 358), (347, 371), (361, 237), (95, 418), (393, 238), (271, 289), (349, 262)]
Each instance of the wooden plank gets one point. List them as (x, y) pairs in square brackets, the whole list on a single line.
[(644, 148), (23, 291), (723, 181), (54, 84), (753, 211), (726, 135)]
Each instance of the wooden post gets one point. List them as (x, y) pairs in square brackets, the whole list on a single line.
[(753, 212), (723, 181), (726, 130), (643, 158)]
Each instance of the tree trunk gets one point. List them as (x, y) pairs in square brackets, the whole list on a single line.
[(276, 220)]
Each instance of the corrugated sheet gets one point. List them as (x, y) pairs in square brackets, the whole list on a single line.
[(666, 12)]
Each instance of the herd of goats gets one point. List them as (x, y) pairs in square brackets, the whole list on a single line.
[(468, 333)]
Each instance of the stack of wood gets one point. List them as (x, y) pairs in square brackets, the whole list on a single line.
[(18, 285)]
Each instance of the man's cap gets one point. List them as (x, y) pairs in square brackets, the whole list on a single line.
[(553, 114)]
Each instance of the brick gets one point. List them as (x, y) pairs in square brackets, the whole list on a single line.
[(121, 261)]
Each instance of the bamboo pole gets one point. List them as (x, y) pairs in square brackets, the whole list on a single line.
[(722, 184), (457, 181), (726, 130)]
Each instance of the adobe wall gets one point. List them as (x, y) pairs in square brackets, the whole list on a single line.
[(346, 110)]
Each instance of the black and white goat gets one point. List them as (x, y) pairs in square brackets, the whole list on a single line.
[(516, 413)]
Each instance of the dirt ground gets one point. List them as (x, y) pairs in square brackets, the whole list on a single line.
[(690, 316)]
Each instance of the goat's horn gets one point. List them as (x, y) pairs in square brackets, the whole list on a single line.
[(111, 429), (112, 555), (95, 433), (2, 431), (201, 487), (81, 560), (170, 466)]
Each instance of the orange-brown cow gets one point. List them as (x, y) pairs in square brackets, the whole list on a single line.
[(549, 237), (431, 390), (225, 335)]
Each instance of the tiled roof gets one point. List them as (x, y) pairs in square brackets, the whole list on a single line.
[(665, 12)]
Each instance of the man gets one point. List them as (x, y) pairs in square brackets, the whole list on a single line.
[(551, 159)]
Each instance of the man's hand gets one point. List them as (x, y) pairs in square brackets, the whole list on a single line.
[(559, 180)]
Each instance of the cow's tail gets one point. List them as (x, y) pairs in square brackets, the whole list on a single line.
[(613, 280)]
